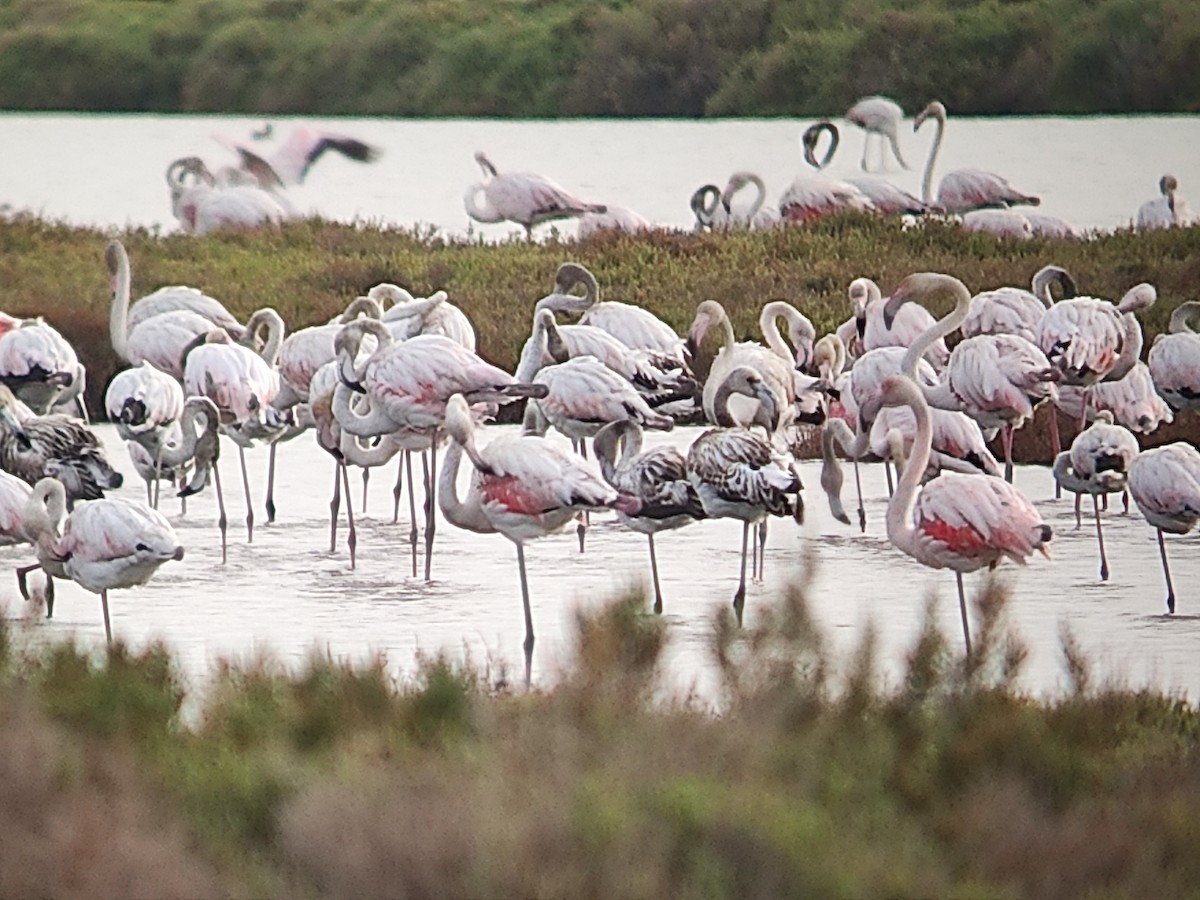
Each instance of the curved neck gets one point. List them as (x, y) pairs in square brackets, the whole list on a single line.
[(736, 184), (1047, 276), (1131, 348), (623, 437), (349, 341), (533, 354), (927, 178), (1184, 315), (728, 338), (45, 509), (197, 410), (275, 331), (480, 212), (118, 316), (367, 307), (942, 327), (1064, 474), (704, 205), (373, 423), (768, 321), (899, 513)]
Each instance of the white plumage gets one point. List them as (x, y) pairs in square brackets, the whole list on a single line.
[(522, 197), (1165, 484)]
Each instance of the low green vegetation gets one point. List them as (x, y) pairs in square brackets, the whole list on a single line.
[(536, 58), (312, 269), (804, 778)]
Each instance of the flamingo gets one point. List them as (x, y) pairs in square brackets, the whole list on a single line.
[(522, 197), (657, 478), (1011, 310), (1098, 463), (1165, 484), (634, 326), (428, 315), (1001, 223), (1132, 401), (527, 488), (408, 384), (203, 207), (774, 370), (1046, 225), (705, 202), (905, 325), (103, 545), (801, 333), (1167, 211), (996, 379), (812, 197), (290, 162), (737, 472), (1174, 359), (757, 216), (145, 404), (963, 190), (40, 366), (960, 522), (887, 198), (878, 116), (32, 447), (615, 218)]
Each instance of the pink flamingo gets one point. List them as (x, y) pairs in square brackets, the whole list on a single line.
[(522, 197), (888, 199), (1165, 483), (1013, 310), (1174, 359), (960, 522)]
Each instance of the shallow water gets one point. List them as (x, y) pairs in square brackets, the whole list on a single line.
[(108, 170), (287, 594)]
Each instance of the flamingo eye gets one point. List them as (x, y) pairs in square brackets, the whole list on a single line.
[(142, 548)]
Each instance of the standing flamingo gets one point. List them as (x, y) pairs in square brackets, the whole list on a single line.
[(900, 329), (963, 190), (1174, 359), (881, 117), (522, 197), (527, 488), (1012, 310), (960, 522), (1097, 463), (145, 404), (657, 478), (104, 544), (203, 206), (41, 367), (1168, 211), (737, 472), (996, 379), (887, 198), (1165, 483), (757, 216)]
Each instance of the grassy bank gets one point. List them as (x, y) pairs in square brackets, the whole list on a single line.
[(334, 781), (312, 269)]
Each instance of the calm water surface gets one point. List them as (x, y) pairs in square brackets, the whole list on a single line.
[(108, 170), (287, 594)]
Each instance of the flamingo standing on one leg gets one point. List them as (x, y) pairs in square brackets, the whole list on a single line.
[(1174, 359), (1097, 463), (527, 488), (1165, 483), (656, 478), (960, 522)]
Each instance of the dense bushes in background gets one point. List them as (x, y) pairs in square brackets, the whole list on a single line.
[(598, 57)]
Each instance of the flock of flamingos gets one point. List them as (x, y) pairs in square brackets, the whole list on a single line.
[(397, 376)]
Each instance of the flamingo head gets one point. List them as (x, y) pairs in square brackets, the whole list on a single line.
[(936, 110), (485, 164), (810, 139), (704, 203), (1168, 184)]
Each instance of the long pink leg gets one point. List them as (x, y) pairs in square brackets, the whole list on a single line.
[(1055, 445), (351, 534), (1162, 549), (1100, 539), (335, 504), (222, 520)]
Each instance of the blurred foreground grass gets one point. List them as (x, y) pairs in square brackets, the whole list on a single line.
[(809, 780), (311, 270)]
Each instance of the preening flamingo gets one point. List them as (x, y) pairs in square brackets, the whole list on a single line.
[(1174, 359), (1012, 310), (1132, 400), (145, 404), (996, 379), (522, 197), (1165, 484), (434, 314), (756, 216), (41, 367), (103, 544), (1098, 463), (290, 162), (656, 478), (901, 329), (202, 206), (887, 198), (881, 117), (527, 488), (959, 522), (963, 190), (737, 472), (1167, 211)]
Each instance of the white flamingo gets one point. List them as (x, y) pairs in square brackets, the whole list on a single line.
[(959, 522), (1174, 359), (1132, 401), (202, 206), (1165, 483), (888, 199), (103, 544), (801, 333), (41, 367), (755, 216), (963, 190), (634, 326), (434, 314), (996, 379), (901, 329), (615, 218), (1013, 310), (1098, 463), (526, 488), (1169, 210), (526, 198), (289, 162), (737, 472), (881, 117), (657, 478)]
